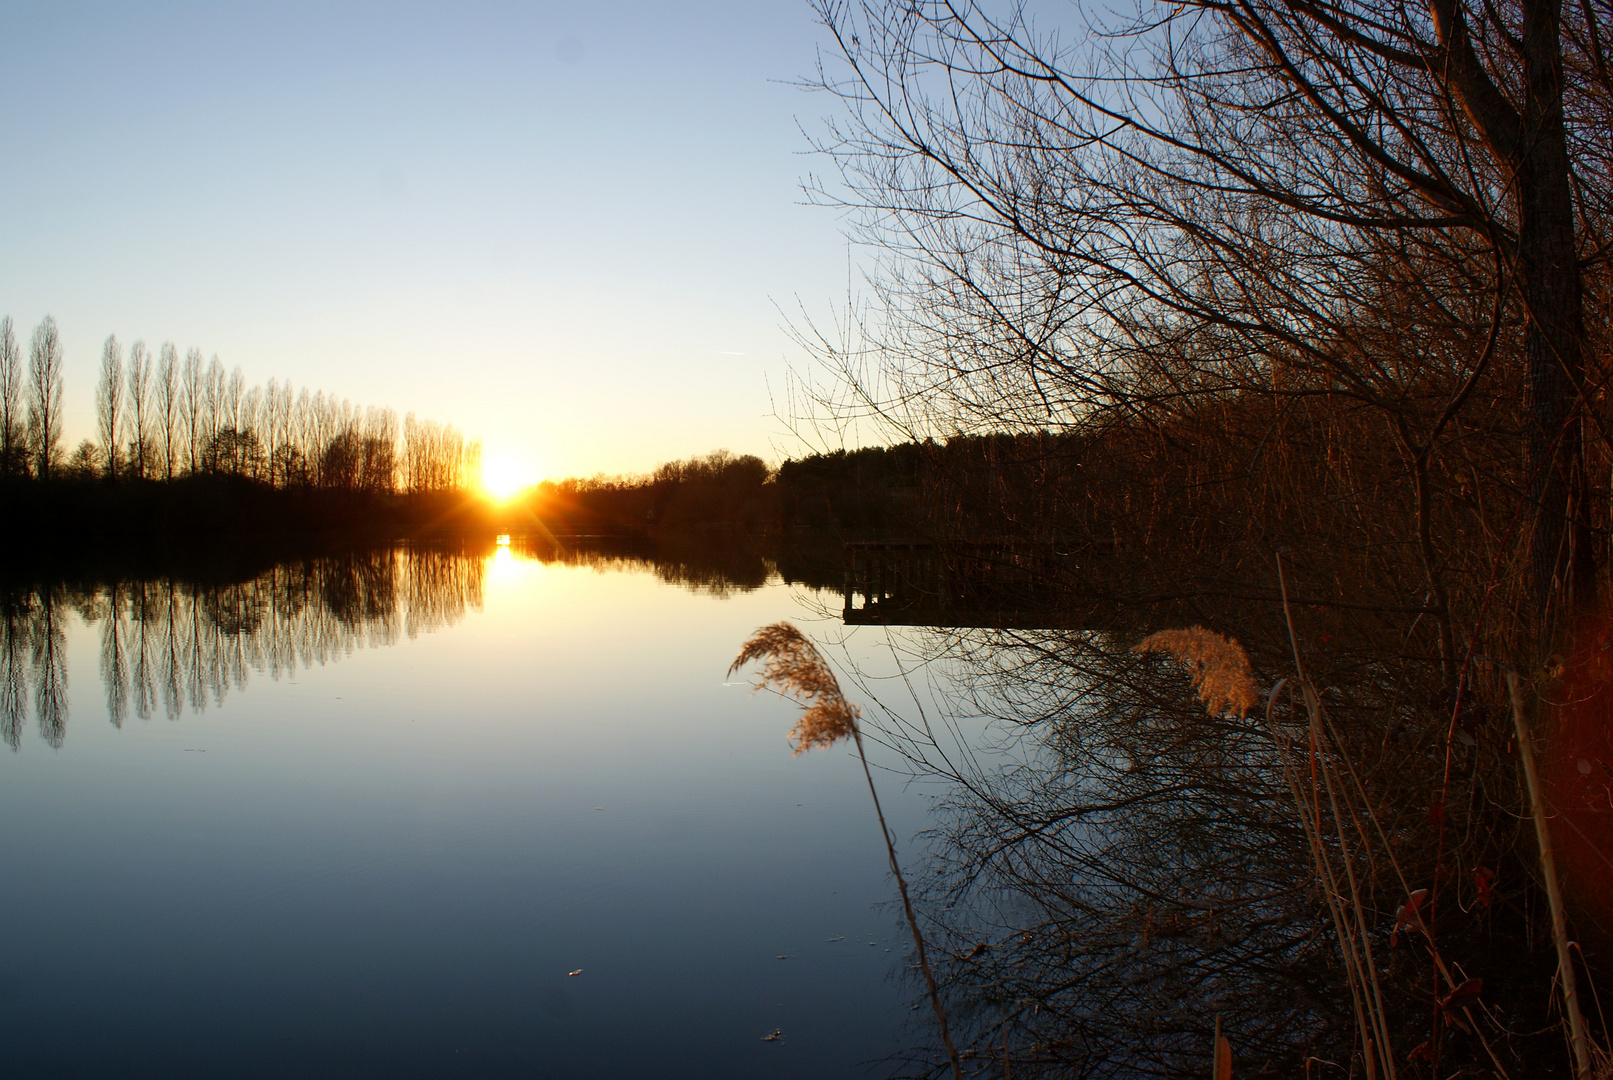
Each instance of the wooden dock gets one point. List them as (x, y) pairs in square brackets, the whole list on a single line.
[(976, 582)]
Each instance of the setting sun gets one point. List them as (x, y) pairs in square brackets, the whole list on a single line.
[(504, 477)]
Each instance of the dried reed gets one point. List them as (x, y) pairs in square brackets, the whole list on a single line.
[(1554, 893), (792, 666), (1219, 667), (1316, 777)]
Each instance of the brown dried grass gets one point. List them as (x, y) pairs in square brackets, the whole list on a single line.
[(1219, 666), (793, 666)]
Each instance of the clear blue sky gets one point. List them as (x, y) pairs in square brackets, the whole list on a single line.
[(562, 227)]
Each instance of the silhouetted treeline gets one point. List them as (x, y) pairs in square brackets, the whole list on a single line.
[(81, 516), (720, 489), (185, 450), (965, 486), (160, 417)]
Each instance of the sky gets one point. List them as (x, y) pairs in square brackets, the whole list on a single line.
[(573, 230)]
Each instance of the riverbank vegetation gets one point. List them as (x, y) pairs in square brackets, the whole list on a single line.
[(1305, 310)]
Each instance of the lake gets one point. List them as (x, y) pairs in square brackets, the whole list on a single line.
[(419, 813)]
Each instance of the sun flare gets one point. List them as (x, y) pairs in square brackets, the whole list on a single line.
[(505, 477)]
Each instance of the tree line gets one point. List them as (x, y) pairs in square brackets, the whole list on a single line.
[(717, 489), (162, 417)]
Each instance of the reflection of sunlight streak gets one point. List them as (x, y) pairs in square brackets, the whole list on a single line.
[(505, 567)]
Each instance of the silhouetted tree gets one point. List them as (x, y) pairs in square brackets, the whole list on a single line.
[(341, 461), (234, 399), (192, 394), (378, 466), (139, 414), (45, 398), (168, 405), (434, 456), (271, 423), (13, 435), (213, 391), (234, 453), (84, 463), (109, 405)]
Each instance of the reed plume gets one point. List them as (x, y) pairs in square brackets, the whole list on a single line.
[(794, 667), (1219, 667)]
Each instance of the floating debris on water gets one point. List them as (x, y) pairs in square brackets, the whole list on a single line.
[(777, 1036), (573, 974)]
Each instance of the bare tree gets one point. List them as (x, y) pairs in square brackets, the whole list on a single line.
[(303, 422), (45, 397), (12, 432), (109, 417), (168, 404), (250, 428), (434, 456), (139, 415), (270, 418), (192, 394), (213, 386), (1238, 178), (235, 398)]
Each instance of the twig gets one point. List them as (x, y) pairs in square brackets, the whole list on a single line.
[(1554, 894)]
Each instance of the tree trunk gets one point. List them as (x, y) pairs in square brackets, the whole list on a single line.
[(1561, 558)]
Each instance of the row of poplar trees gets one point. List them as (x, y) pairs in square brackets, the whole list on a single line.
[(160, 417)]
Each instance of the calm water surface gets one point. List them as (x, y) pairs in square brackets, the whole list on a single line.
[(366, 821)]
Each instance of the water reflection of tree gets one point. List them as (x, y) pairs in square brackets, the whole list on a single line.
[(49, 668), (1111, 870), (16, 641), (114, 662), (175, 644), (700, 564), (169, 644)]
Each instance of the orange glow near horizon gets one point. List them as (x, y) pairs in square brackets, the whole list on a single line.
[(504, 477)]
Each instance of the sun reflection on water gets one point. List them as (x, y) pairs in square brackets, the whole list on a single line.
[(505, 567)]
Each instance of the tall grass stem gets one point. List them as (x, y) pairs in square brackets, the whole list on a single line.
[(1554, 892)]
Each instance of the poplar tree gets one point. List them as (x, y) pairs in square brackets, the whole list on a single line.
[(11, 423), (45, 397), (139, 412), (109, 405), (168, 404)]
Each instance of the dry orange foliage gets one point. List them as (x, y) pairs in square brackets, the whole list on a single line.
[(793, 666), (1219, 666)]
